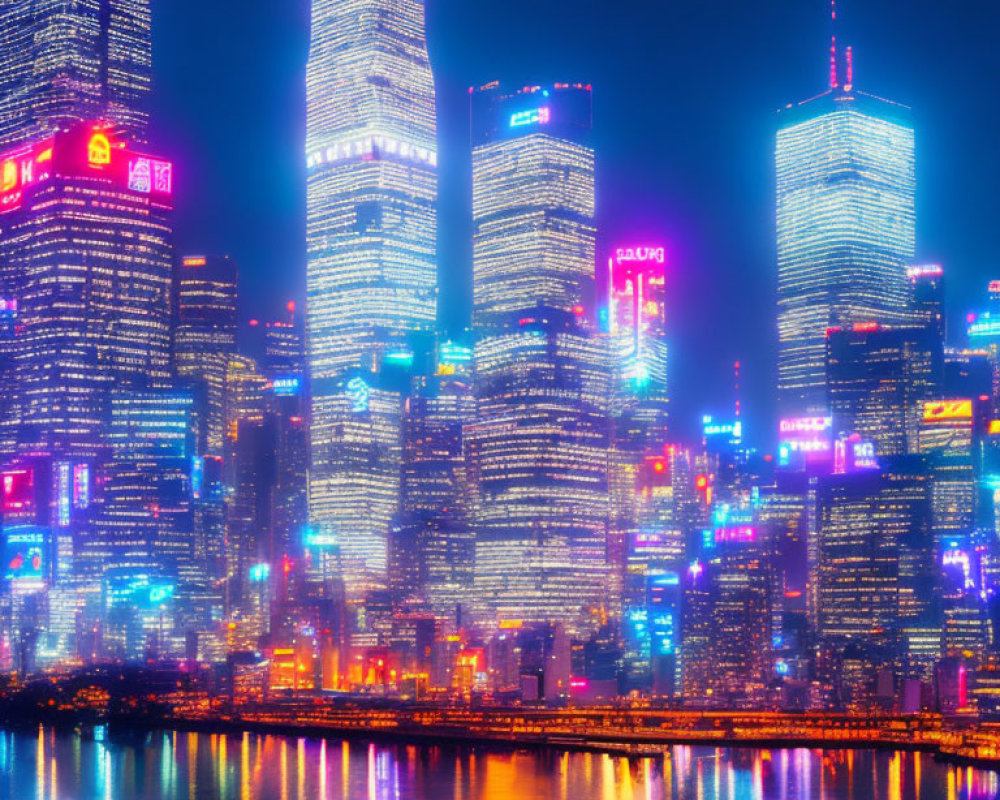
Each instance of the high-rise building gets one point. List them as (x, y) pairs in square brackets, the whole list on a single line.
[(431, 551), (538, 446), (949, 437), (875, 570), (927, 297), (144, 530), (61, 63), (204, 336), (637, 326), (371, 158), (533, 201), (537, 454), (845, 225), (877, 381), (85, 250)]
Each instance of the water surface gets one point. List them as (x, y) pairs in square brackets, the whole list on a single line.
[(52, 765)]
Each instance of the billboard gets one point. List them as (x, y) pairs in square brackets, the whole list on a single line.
[(18, 489), (23, 552), (948, 410), (85, 150)]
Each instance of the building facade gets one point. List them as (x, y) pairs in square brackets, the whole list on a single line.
[(371, 277)]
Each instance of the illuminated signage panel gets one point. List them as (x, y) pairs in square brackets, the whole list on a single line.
[(947, 410)]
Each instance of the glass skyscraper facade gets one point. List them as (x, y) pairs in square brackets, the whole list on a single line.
[(845, 223), (64, 62), (371, 156), (537, 448)]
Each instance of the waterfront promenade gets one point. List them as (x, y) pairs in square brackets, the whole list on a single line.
[(627, 731)]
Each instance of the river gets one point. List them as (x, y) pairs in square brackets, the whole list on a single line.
[(60, 765)]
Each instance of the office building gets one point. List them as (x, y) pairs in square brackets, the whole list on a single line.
[(204, 336), (371, 157), (845, 224), (63, 63), (878, 380), (86, 252)]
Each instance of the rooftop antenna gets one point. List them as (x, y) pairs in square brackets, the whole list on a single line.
[(833, 44)]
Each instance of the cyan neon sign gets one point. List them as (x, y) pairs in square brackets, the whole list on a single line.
[(533, 116)]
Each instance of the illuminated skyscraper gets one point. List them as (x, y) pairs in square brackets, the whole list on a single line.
[(431, 551), (533, 201), (876, 570), (878, 379), (61, 63), (845, 223), (204, 336), (538, 447), (85, 249), (371, 156)]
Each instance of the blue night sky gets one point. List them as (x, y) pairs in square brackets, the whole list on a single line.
[(684, 94)]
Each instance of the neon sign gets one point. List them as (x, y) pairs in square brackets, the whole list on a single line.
[(63, 494), (629, 254), (533, 116), (81, 486), (924, 271), (947, 409), (985, 327), (359, 392), (740, 533), (286, 387), (805, 424), (99, 150), (315, 539)]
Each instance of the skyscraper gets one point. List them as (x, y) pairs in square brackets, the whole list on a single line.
[(86, 252), (431, 554), (878, 379), (845, 225), (371, 157), (538, 446), (65, 62), (533, 201), (204, 336)]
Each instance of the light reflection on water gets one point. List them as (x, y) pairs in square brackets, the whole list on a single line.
[(51, 765)]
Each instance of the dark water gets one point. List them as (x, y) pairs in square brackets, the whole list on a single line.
[(59, 766)]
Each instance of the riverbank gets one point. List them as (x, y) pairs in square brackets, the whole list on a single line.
[(613, 731)]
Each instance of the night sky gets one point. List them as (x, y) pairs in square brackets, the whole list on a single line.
[(685, 93)]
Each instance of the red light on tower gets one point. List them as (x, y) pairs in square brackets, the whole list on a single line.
[(701, 482), (290, 305)]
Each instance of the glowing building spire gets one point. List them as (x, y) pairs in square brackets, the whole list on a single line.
[(833, 44)]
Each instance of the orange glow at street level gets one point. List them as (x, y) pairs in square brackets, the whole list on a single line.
[(99, 149), (45, 155), (658, 466)]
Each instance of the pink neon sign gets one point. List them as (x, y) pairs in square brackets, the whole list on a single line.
[(625, 255)]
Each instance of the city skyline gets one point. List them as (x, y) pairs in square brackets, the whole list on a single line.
[(749, 62), (362, 493)]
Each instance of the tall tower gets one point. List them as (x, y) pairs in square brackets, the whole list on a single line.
[(371, 281), (538, 446), (63, 62), (204, 336), (845, 225)]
